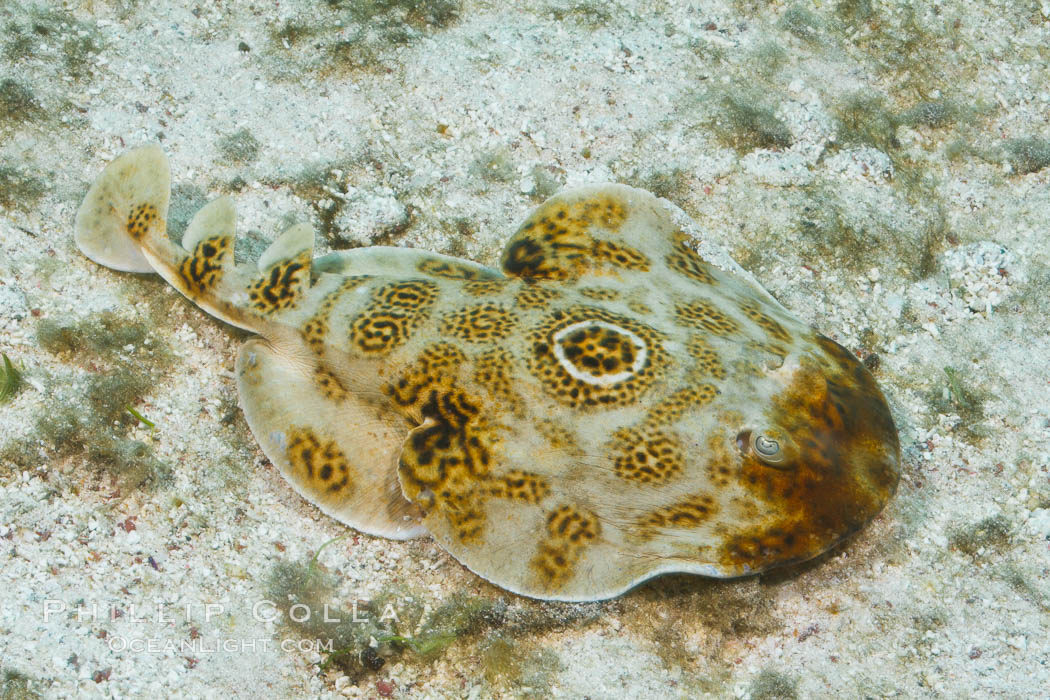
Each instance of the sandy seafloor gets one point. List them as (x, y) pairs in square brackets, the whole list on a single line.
[(881, 169)]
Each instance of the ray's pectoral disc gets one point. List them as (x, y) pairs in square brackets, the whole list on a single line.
[(608, 407)]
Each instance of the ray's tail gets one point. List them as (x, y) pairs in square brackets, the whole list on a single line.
[(122, 224)]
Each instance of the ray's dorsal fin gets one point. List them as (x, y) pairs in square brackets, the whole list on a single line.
[(209, 239), (284, 272), (293, 243), (217, 218)]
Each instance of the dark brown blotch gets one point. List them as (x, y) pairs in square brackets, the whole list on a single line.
[(847, 468)]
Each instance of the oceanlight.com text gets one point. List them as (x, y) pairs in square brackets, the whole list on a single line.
[(202, 646)]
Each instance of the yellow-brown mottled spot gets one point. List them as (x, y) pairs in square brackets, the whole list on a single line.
[(553, 564), (705, 314), (765, 321), (547, 248), (314, 332), (560, 438), (706, 359), (445, 463), (140, 220), (605, 211), (599, 351), (588, 357), (318, 462), (377, 332), (621, 256), (685, 260), (536, 296), (647, 456), (640, 308), (599, 293), (556, 243), (412, 295), (449, 455), (202, 269), (330, 386), (433, 372), (451, 270), (577, 525), (485, 287), (720, 465), (690, 512), (518, 485), (281, 285), (396, 311), (494, 371), (479, 323), (675, 405), (435, 457), (466, 516), (569, 530)]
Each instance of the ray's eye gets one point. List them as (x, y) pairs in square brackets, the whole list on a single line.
[(768, 448), (771, 447)]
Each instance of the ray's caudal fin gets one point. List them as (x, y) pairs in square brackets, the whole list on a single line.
[(337, 450), (122, 224)]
